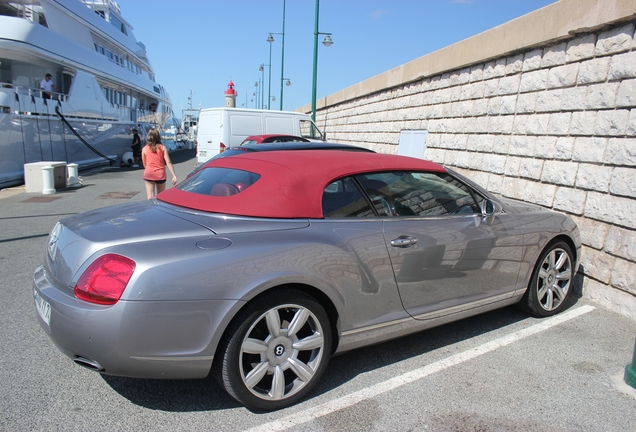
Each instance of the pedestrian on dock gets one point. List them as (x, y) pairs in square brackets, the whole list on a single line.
[(136, 148), (47, 86), (155, 158)]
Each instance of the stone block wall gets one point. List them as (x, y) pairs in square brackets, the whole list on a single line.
[(553, 125)]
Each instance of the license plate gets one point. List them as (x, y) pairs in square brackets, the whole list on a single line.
[(202, 153), (43, 307)]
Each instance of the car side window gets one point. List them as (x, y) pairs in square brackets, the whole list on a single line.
[(396, 194), (309, 130), (219, 181), (343, 199)]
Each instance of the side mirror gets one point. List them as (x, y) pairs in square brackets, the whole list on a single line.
[(490, 208)]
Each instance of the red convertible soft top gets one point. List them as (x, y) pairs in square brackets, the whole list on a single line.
[(291, 183)]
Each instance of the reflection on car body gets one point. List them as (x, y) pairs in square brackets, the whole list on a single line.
[(272, 138), (259, 266)]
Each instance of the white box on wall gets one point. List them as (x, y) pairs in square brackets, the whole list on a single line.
[(412, 143)]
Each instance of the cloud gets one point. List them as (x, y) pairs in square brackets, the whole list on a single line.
[(378, 14)]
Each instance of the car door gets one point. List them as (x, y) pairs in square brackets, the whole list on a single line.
[(446, 256), (364, 277)]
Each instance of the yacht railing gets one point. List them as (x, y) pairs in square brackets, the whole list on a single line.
[(122, 112), (109, 111), (29, 12), (104, 3), (31, 91)]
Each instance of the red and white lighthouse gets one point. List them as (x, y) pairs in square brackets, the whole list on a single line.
[(230, 95)]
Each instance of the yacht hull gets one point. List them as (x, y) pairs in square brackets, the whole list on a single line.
[(35, 138), (104, 85)]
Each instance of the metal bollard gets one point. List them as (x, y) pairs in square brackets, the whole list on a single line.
[(48, 183), (72, 175), (630, 371)]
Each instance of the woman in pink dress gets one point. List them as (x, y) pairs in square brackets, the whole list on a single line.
[(155, 158)]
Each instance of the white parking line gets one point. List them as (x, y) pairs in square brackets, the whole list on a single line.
[(383, 387)]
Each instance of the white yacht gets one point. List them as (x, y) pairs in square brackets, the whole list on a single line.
[(187, 135), (104, 85)]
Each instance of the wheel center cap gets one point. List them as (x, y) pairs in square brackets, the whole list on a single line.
[(279, 350), (551, 278)]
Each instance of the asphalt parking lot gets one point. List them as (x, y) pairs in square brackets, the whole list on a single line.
[(501, 371)]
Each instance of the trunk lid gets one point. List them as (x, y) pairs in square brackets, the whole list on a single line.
[(75, 239)]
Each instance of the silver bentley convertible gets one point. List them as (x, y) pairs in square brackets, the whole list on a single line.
[(260, 266)]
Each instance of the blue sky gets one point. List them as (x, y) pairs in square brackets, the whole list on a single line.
[(200, 45)]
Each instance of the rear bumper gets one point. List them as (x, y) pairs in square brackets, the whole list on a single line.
[(138, 339)]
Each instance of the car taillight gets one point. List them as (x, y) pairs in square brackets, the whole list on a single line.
[(222, 148), (105, 279)]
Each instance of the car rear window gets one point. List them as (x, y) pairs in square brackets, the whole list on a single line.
[(219, 181)]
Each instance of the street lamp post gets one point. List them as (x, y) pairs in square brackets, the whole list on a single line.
[(282, 61), (270, 39), (327, 42), (256, 95), (262, 69)]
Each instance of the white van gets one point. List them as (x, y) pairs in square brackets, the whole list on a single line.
[(221, 128)]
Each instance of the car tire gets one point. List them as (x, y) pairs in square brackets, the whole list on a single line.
[(275, 350), (551, 281)]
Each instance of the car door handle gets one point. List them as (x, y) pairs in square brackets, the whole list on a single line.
[(402, 242)]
